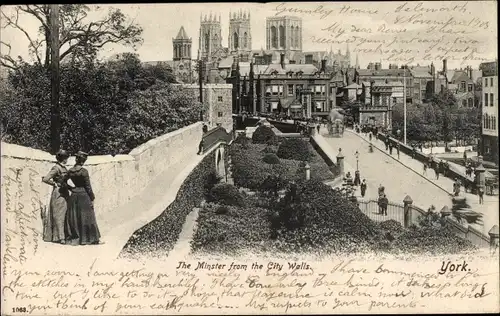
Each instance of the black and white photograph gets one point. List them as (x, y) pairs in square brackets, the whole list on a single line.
[(249, 158)]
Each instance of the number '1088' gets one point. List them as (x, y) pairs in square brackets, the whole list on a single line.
[(19, 310)]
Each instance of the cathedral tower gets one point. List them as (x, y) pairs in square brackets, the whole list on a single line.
[(240, 35), (210, 35), (182, 45), (284, 33)]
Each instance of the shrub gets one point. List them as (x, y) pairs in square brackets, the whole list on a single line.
[(226, 194), (296, 149), (158, 237), (269, 150), (263, 135), (271, 159), (235, 232), (242, 139)]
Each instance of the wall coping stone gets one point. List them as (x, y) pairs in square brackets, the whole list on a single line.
[(21, 152)]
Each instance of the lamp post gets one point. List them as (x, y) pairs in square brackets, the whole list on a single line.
[(404, 101), (357, 160)]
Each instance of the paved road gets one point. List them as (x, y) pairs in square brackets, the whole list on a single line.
[(404, 176), (378, 168)]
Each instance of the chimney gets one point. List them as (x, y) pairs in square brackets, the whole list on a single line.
[(323, 65), (433, 70), (470, 72), (334, 67), (282, 60), (378, 66), (445, 66), (370, 66)]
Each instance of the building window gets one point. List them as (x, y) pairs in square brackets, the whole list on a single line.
[(491, 81), (462, 86), (470, 87), (491, 99), (219, 98), (486, 99), (274, 37), (485, 82), (290, 89), (282, 36), (464, 103), (394, 100), (219, 114), (471, 102), (494, 121)]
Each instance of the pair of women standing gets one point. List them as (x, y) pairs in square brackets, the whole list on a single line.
[(70, 217)]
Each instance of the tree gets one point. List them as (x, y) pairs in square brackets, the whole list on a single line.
[(78, 38), (108, 108)]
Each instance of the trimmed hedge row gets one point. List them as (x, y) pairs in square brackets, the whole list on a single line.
[(295, 149), (158, 237)]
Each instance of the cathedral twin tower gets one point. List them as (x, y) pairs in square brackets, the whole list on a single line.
[(239, 39)]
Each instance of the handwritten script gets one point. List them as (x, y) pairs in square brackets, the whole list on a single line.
[(21, 235), (270, 286), (401, 32)]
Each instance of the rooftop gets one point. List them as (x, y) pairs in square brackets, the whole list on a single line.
[(182, 34)]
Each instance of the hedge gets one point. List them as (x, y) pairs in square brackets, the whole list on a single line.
[(226, 194), (296, 149), (158, 237), (271, 159), (264, 135)]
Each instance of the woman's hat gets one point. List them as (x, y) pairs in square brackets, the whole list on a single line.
[(81, 154), (62, 154)]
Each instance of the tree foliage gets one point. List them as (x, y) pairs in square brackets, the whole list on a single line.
[(106, 108), (439, 120), (80, 37)]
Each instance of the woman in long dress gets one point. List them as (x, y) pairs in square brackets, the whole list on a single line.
[(81, 224), (53, 220)]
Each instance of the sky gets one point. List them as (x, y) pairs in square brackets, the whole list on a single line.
[(391, 32)]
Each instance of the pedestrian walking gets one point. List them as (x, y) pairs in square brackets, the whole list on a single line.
[(370, 136), (425, 169), (456, 187), (436, 170), (357, 180), (386, 144), (385, 203), (397, 148), (390, 149), (363, 188), (480, 193), (381, 190), (200, 147)]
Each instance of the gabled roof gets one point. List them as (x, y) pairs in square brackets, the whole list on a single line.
[(460, 75), (182, 34), (383, 72), (421, 72)]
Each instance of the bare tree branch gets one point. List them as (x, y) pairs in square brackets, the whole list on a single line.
[(34, 44)]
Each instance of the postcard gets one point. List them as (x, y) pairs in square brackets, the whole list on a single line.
[(249, 158)]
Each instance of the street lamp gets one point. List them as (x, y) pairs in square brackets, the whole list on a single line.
[(357, 160)]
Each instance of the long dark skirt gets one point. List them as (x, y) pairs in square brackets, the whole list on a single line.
[(54, 220), (81, 225)]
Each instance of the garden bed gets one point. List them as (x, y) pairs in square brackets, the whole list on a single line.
[(249, 169), (314, 219)]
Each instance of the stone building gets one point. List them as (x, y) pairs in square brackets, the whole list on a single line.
[(217, 103), (377, 100), (182, 64), (489, 126), (393, 74), (297, 90), (422, 82)]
